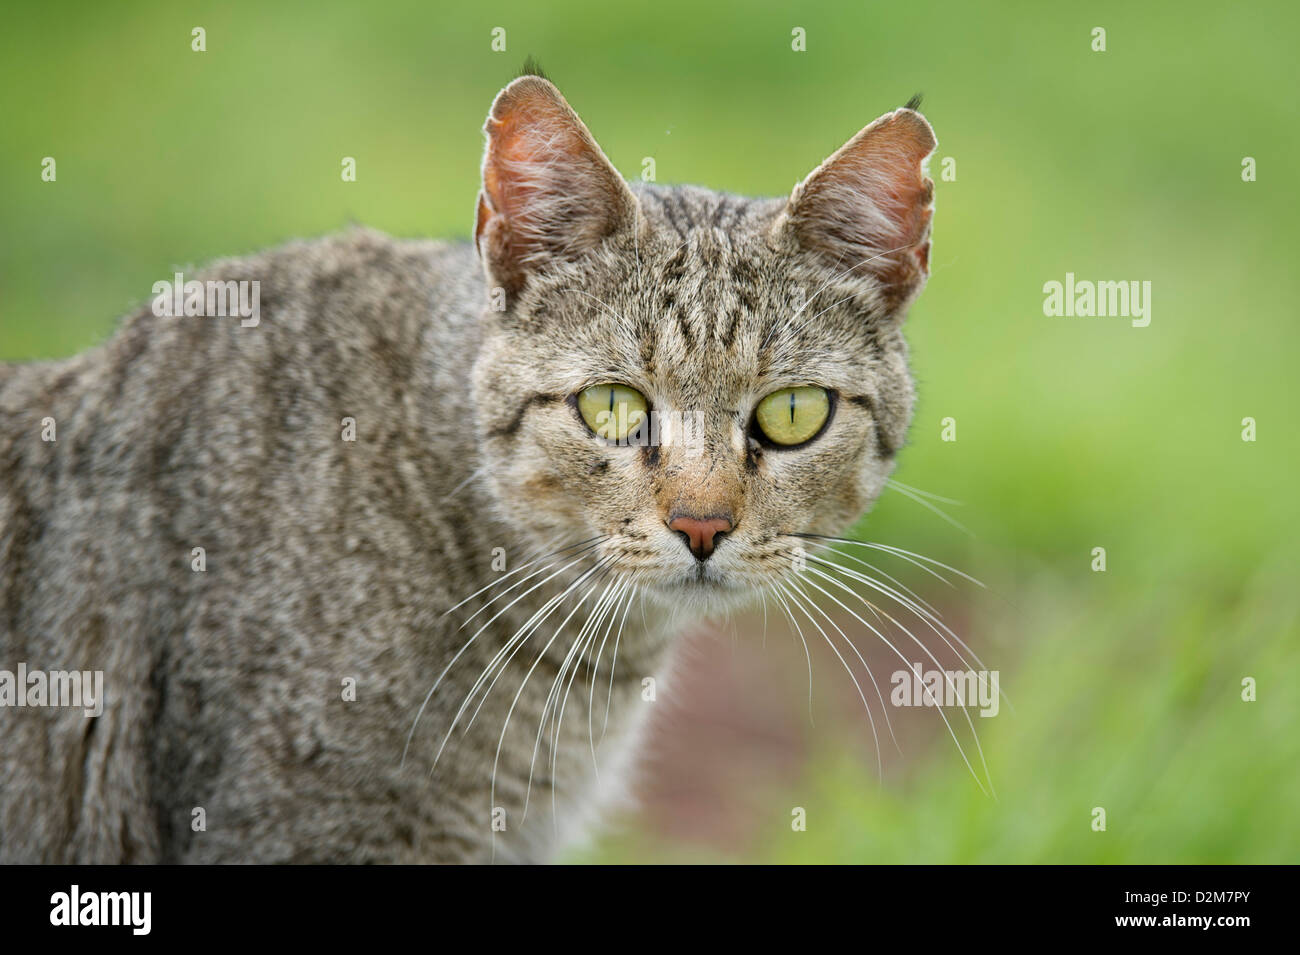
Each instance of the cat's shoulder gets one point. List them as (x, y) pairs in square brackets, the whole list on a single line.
[(355, 254), (355, 279)]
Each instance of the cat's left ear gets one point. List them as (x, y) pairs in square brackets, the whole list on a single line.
[(865, 211), (549, 194)]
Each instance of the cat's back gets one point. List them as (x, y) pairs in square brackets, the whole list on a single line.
[(355, 316), (353, 339), (345, 296), (163, 492)]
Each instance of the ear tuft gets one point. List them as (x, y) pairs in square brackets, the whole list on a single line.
[(866, 210), (532, 68), (548, 191)]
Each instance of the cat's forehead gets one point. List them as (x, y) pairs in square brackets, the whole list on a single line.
[(689, 214), (707, 335), (700, 307), (720, 309)]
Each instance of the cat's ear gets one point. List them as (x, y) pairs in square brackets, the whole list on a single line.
[(548, 191), (866, 210)]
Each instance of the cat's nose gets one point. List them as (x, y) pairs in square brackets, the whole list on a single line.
[(700, 533)]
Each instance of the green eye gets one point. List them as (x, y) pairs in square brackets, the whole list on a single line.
[(612, 411), (793, 415)]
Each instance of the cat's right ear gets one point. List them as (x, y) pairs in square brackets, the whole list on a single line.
[(549, 194)]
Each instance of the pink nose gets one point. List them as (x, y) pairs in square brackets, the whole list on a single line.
[(700, 532)]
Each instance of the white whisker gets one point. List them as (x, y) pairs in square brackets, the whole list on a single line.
[(505, 725), (931, 620), (807, 655), (609, 697), (517, 640), (792, 592), (898, 653), (932, 508), (452, 662)]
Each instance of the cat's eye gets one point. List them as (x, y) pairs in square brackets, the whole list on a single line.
[(612, 411), (793, 415)]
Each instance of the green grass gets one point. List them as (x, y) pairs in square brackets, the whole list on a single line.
[(1072, 433)]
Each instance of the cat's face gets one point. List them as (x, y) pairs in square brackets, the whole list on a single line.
[(687, 380)]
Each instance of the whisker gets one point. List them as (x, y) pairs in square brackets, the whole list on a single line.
[(871, 546), (577, 651), (932, 508), (924, 648), (505, 725), (624, 591), (930, 494), (517, 640), (535, 557), (807, 655), (931, 620), (548, 705), (861, 659), (557, 726), (477, 472), (928, 619), (609, 697), (452, 662), (926, 614), (900, 553), (524, 633), (582, 548), (791, 593), (902, 587), (890, 548)]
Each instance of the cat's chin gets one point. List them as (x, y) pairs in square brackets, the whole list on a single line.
[(705, 595)]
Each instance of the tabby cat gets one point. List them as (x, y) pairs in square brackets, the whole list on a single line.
[(379, 577)]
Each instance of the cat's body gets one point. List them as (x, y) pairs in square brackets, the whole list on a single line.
[(272, 680), (325, 560)]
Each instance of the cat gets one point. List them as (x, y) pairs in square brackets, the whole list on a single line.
[(378, 577)]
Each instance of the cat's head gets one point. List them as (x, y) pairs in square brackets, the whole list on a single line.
[(760, 339)]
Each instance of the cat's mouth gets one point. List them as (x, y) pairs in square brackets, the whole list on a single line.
[(701, 577), (704, 578)]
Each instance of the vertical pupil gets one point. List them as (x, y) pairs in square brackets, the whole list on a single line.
[(792, 407), (611, 401)]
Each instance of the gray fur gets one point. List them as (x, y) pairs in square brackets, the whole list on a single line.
[(329, 560)]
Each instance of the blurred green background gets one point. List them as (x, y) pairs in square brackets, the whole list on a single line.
[(1072, 433)]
